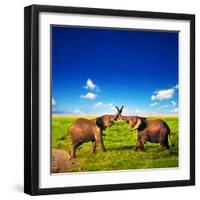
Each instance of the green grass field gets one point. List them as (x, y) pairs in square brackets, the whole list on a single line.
[(119, 141)]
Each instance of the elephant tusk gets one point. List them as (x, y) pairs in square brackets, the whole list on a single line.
[(139, 122)]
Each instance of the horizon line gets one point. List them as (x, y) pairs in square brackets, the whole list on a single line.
[(134, 114)]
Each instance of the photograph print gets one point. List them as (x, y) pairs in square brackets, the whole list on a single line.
[(114, 99)]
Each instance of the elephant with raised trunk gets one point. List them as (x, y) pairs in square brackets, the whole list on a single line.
[(155, 131), (85, 130)]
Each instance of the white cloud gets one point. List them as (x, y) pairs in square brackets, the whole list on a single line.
[(89, 95), (101, 104), (154, 104), (53, 102), (173, 103), (163, 94), (78, 111), (90, 84), (98, 104), (176, 86), (175, 110), (125, 110), (137, 111), (113, 108), (165, 106)]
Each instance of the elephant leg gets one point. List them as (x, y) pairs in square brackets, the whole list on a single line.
[(138, 143), (102, 145), (94, 144), (73, 150), (142, 143), (141, 147), (99, 140), (162, 144)]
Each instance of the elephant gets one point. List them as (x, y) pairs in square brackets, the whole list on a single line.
[(85, 130), (154, 131)]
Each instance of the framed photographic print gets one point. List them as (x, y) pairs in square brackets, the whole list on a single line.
[(109, 100)]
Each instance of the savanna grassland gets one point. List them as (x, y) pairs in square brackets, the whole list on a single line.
[(119, 141)]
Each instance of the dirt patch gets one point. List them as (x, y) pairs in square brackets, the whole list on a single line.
[(61, 162)]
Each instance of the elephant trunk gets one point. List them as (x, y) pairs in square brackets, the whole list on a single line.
[(115, 117)]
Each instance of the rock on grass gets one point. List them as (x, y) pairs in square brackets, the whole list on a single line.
[(61, 162)]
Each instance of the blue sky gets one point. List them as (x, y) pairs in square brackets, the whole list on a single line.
[(94, 70)]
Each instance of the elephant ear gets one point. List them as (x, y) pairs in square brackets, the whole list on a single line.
[(138, 123), (99, 122)]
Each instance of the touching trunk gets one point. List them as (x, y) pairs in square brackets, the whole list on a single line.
[(115, 117)]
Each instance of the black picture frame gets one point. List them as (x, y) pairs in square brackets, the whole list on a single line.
[(31, 98)]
